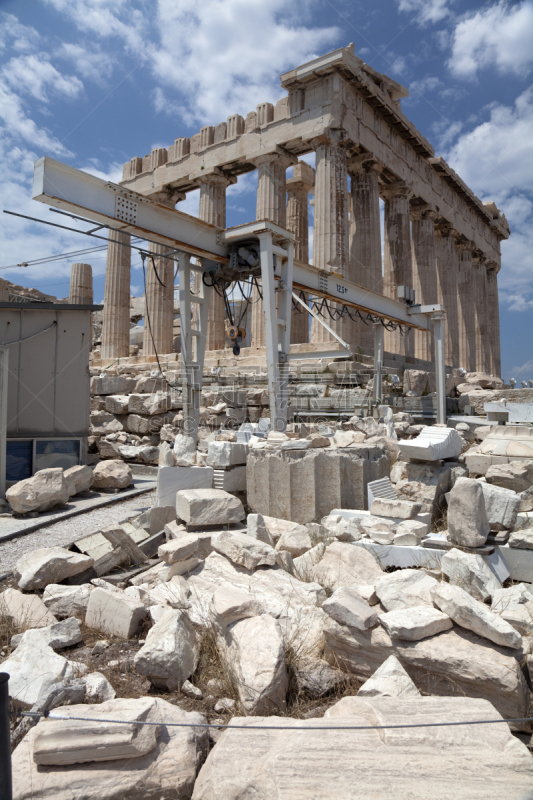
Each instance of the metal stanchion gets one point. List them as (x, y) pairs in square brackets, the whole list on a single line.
[(6, 788)]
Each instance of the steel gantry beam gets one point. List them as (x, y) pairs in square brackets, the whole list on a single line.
[(114, 206), (70, 189)]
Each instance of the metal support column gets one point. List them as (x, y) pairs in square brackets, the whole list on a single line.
[(192, 343), (271, 329), (438, 318), (379, 338), (4, 371), (284, 327)]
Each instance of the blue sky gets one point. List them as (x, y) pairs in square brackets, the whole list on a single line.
[(96, 82)]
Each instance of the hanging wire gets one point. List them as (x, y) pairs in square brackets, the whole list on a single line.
[(172, 386)]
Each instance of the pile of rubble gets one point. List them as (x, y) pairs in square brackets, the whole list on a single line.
[(294, 599)]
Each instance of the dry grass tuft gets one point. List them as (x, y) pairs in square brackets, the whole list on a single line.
[(212, 666)]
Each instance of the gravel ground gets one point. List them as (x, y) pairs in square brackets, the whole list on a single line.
[(65, 532)]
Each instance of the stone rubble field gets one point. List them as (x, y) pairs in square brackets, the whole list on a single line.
[(212, 611)]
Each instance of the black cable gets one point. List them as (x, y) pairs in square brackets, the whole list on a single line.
[(143, 256), (164, 285)]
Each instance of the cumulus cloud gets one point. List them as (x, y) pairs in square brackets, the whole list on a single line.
[(497, 156), (499, 36), (19, 124), (15, 35), (103, 18), (199, 57), (34, 75), (427, 11), (92, 64), (496, 160)]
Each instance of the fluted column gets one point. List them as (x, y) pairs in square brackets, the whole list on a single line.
[(447, 265), (365, 240), (465, 307), (397, 259), (298, 189), (493, 314), (483, 359), (213, 210), (116, 313), (272, 205), (424, 273), (159, 296), (81, 284), (330, 238)]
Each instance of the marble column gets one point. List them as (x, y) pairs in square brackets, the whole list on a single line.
[(465, 307), (271, 204), (447, 265), (213, 210), (159, 296), (330, 237), (116, 313), (493, 314), (81, 284), (298, 189), (365, 240), (397, 259), (424, 273), (482, 322)]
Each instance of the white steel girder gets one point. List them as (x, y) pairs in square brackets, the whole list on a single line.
[(75, 191)]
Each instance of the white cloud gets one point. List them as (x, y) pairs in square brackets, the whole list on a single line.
[(23, 240), (428, 11), (497, 156), (112, 173), (500, 36), (18, 123), (15, 35), (92, 64), (33, 74), (496, 160), (102, 18), (225, 56)]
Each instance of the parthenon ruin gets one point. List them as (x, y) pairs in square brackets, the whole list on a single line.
[(439, 238)]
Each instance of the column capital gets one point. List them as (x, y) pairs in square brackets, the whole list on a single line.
[(215, 176), (294, 185), (445, 230), (277, 156), (424, 211), (331, 136), (365, 162), (398, 189), (303, 177), (167, 197), (465, 246), (493, 267)]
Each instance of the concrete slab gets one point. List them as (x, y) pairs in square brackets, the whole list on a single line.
[(515, 412), (173, 479), (10, 527)]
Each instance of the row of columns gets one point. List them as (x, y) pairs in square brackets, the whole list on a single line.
[(432, 259)]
